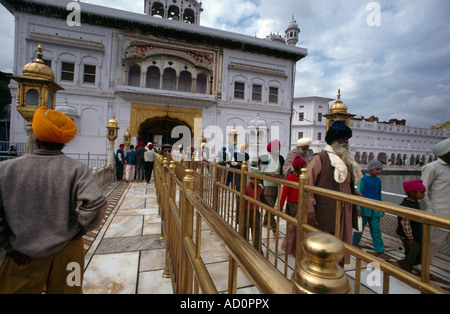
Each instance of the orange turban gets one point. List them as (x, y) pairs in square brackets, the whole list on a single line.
[(53, 126)]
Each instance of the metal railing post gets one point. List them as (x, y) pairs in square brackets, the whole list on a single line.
[(302, 216), (319, 272), (187, 227)]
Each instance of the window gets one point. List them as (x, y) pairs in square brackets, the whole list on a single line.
[(319, 117), (273, 95), (185, 82), (169, 79), (319, 136), (32, 98), (256, 92), (301, 116), (67, 71), (239, 90), (89, 74), (202, 82), (134, 75), (153, 77), (300, 135)]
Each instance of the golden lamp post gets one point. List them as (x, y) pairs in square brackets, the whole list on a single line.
[(233, 136), (338, 111), (36, 88), (112, 135), (127, 140)]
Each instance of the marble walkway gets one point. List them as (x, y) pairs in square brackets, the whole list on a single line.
[(126, 255)]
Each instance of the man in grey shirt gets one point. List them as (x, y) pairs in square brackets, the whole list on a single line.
[(436, 178), (48, 201)]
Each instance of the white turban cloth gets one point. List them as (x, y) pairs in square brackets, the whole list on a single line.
[(442, 148), (304, 142)]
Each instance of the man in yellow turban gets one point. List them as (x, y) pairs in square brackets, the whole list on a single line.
[(48, 201), (51, 126)]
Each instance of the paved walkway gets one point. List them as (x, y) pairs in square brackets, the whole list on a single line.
[(127, 255)]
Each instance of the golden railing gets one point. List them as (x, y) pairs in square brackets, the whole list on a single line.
[(192, 192)]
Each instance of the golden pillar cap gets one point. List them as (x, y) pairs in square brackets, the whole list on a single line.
[(319, 272)]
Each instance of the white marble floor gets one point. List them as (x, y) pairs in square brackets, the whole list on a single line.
[(128, 254)]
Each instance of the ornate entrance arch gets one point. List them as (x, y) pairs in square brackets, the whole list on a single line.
[(146, 121), (162, 127)]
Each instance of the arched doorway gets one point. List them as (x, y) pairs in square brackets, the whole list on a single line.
[(158, 130)]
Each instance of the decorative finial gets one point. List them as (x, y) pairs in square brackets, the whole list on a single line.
[(39, 54), (339, 94)]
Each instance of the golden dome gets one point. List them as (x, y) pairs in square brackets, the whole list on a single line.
[(113, 122), (338, 106), (37, 68)]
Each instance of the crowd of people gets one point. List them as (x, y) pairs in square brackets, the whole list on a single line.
[(335, 169), (138, 162), (41, 227)]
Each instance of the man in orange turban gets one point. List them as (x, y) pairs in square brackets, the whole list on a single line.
[(48, 201), (53, 126)]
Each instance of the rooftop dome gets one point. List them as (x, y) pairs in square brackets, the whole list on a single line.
[(37, 68)]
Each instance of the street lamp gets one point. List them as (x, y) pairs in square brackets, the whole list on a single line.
[(233, 136), (36, 88), (112, 135)]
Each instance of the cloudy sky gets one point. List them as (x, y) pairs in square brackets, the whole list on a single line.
[(390, 58)]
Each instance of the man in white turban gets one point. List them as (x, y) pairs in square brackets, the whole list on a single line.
[(301, 150), (436, 178)]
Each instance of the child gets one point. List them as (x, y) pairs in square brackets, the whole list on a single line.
[(409, 231), (291, 194), (252, 217), (370, 186)]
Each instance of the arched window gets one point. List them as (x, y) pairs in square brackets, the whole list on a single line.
[(189, 16), (158, 9), (185, 82), (32, 98), (134, 75), (153, 77), (169, 79), (202, 83), (173, 13)]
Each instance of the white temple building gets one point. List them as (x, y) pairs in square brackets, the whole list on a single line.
[(155, 71), (391, 142)]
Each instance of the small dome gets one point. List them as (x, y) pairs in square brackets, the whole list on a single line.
[(338, 106), (257, 122), (293, 24), (37, 68), (66, 109), (113, 121)]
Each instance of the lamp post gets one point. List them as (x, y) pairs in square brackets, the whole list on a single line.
[(112, 135), (338, 111), (233, 136), (36, 88), (127, 140)]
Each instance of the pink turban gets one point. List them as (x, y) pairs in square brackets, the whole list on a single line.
[(273, 144), (414, 185)]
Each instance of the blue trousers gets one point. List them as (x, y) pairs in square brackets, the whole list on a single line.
[(375, 233)]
